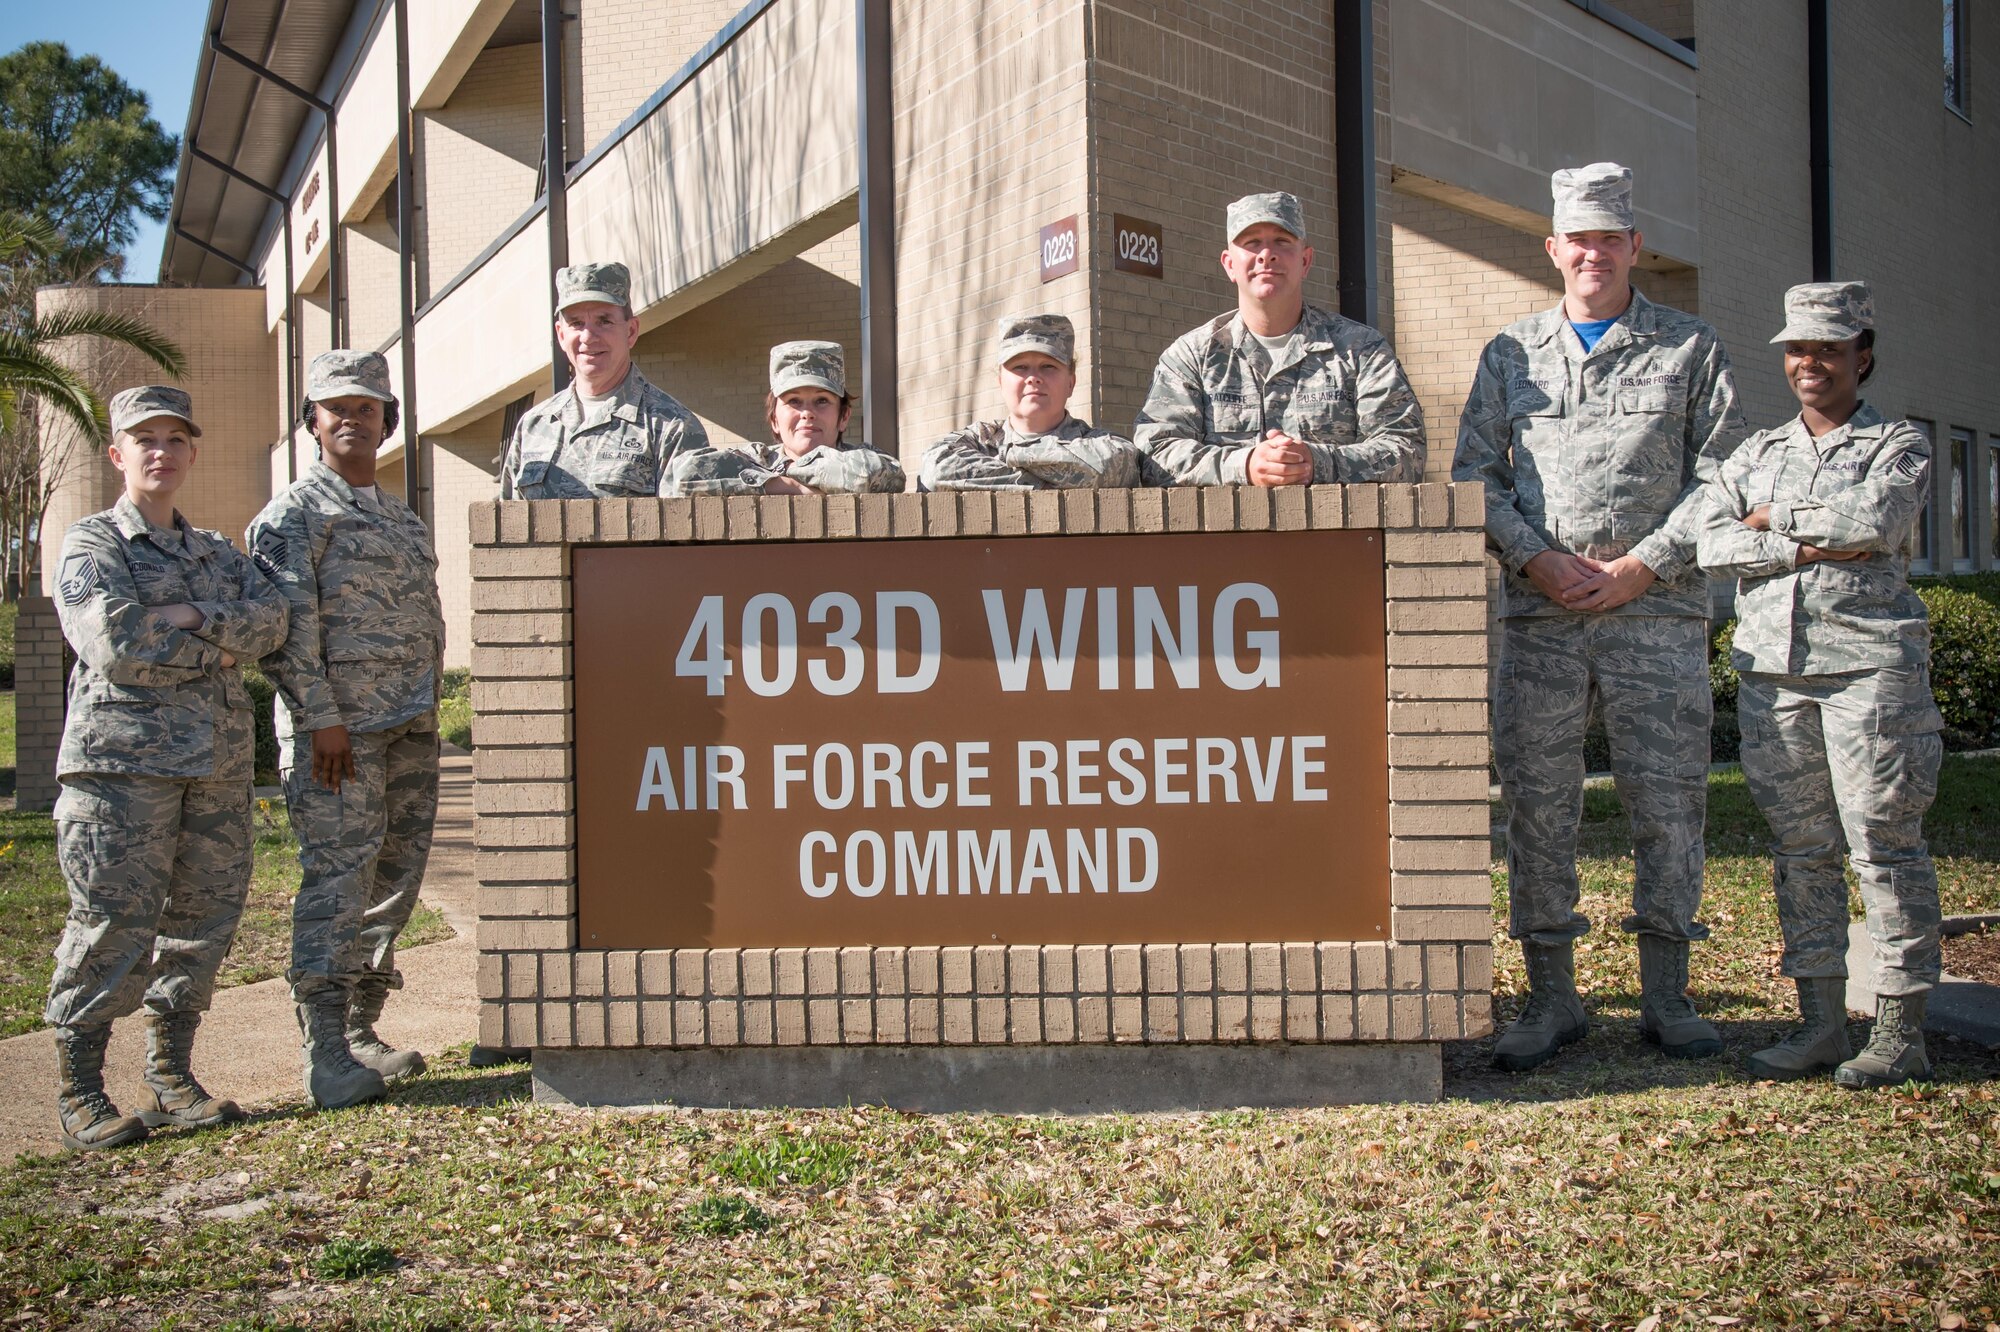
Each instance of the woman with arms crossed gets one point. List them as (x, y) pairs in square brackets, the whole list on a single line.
[(1818, 519), (153, 823)]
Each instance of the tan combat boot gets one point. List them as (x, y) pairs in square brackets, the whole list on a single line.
[(334, 1078), (89, 1120), (1895, 1053), (1666, 1014), (176, 1097), (1820, 1043), (368, 1048), (1554, 1014)]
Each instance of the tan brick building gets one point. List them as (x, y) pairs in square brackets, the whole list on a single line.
[(718, 149)]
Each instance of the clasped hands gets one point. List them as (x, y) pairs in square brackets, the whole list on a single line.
[(1577, 582), (1278, 460)]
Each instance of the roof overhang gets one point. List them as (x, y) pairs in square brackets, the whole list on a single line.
[(256, 127)]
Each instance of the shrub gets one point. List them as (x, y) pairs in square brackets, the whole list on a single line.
[(262, 691), (455, 708), (1965, 661), (1721, 671), (1985, 586), (9, 612)]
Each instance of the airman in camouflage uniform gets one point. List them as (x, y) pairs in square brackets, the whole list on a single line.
[(1593, 457), (153, 823), (357, 680), (611, 432), (807, 454), (1818, 520), (1278, 392), (1037, 375)]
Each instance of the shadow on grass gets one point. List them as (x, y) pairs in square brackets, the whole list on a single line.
[(1614, 1060)]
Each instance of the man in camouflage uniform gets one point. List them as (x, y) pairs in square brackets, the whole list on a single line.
[(610, 433), (1593, 426), (1039, 446), (153, 823), (357, 681), (1818, 519), (1278, 392), (807, 408)]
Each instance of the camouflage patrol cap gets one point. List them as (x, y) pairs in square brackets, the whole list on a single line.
[(134, 405), (796, 364), (1050, 333), (337, 374), (1597, 197), (1277, 207), (610, 283), (1827, 312)]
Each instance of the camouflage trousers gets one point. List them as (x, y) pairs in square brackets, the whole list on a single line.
[(1648, 675), (363, 850), (157, 870), (1848, 762)]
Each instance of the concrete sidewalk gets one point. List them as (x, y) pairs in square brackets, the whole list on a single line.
[(249, 1044)]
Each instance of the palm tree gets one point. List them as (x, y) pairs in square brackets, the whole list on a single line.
[(34, 382), (28, 369)]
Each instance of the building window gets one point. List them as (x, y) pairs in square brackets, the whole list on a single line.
[(1993, 501), (1961, 500), (1957, 57), (1920, 559)]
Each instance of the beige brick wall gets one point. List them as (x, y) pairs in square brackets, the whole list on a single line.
[(989, 110), (230, 368), (1193, 105), (374, 287), (1430, 981), (477, 161), (1916, 212), (716, 358), (628, 48), (40, 685), (462, 472), (1756, 186)]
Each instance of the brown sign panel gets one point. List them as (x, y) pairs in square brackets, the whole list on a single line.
[(1059, 250), (1137, 246), (1127, 739)]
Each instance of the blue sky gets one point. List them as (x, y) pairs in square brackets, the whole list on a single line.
[(153, 44)]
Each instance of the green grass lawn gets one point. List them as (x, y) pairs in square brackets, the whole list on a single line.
[(1607, 1190)]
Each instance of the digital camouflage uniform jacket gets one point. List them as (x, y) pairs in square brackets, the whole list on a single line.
[(1600, 453), (1861, 487), (622, 446), (745, 469), (1335, 387), (993, 455), (367, 633), (148, 699)]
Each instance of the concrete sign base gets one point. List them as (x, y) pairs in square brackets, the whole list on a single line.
[(1062, 1080)]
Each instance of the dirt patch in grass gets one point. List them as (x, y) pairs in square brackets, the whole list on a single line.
[(1974, 955)]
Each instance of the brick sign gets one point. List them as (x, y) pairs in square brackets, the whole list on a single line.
[(1144, 739), (1137, 246), (1059, 249)]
